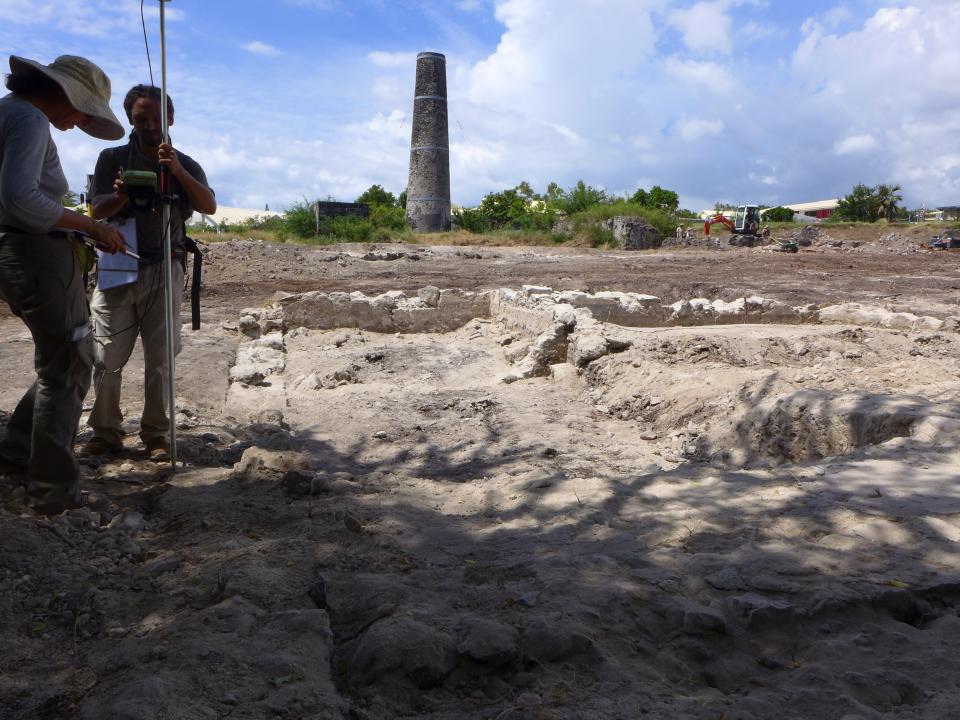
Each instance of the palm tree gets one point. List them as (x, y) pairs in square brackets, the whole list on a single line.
[(886, 198)]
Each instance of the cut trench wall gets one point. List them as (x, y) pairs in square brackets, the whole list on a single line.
[(536, 310), (564, 327)]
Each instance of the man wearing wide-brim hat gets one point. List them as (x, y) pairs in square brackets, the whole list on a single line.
[(40, 274)]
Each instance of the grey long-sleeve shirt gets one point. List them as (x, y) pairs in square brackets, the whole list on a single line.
[(32, 182)]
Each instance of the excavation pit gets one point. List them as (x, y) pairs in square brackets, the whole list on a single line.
[(702, 485), (561, 502)]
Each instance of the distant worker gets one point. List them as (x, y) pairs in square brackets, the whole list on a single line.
[(680, 229), (121, 313)]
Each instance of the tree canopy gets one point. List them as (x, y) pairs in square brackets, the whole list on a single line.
[(869, 204), (376, 195), (778, 214)]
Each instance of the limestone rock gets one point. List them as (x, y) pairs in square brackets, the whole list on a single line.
[(585, 348), (544, 641), (759, 612), (298, 483), (488, 641), (257, 458), (430, 295), (633, 233), (248, 325), (402, 645)]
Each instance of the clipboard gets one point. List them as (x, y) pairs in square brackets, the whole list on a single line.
[(117, 270)]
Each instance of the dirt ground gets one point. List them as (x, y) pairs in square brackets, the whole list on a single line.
[(724, 522)]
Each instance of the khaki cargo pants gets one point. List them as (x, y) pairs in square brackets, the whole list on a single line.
[(119, 316)]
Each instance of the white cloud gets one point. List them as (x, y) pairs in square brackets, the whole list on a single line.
[(693, 129), (392, 59), (705, 74), (566, 132), (899, 71), (94, 18), (706, 27), (855, 144), (556, 71), (837, 16), (261, 48), (764, 179), (392, 125)]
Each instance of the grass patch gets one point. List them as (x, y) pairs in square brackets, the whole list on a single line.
[(664, 222), (599, 236), (213, 236)]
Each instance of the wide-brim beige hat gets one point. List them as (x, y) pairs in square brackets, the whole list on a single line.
[(86, 86)]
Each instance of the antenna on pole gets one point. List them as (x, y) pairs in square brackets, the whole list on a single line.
[(166, 200)]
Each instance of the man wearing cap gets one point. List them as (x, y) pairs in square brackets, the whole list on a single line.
[(40, 274), (120, 314)]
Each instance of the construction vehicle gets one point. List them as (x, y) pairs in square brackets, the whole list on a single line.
[(745, 222), (949, 241)]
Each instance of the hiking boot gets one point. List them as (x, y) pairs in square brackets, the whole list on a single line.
[(51, 506), (100, 446), (158, 450)]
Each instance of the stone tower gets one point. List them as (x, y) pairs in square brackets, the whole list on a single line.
[(428, 191)]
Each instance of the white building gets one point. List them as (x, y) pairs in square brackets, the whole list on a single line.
[(818, 210), (231, 216)]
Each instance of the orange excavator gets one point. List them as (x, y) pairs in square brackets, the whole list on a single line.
[(745, 222)]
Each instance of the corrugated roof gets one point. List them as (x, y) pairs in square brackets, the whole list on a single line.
[(813, 206)]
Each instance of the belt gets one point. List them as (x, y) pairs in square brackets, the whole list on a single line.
[(59, 234)]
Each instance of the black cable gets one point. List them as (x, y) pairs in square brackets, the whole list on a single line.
[(136, 323), (143, 24)]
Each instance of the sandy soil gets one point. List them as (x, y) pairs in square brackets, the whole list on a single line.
[(739, 522)]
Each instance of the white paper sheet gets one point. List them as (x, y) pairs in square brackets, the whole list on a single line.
[(119, 269)]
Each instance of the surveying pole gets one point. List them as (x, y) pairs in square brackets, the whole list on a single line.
[(166, 200)]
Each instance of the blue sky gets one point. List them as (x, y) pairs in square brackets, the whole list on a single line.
[(742, 101)]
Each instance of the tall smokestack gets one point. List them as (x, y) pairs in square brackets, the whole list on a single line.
[(428, 192)]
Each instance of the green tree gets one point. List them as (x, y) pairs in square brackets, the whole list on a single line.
[(471, 220), (663, 199), (71, 199), (778, 214), (390, 217), (505, 208), (860, 205), (554, 195), (526, 192), (657, 198), (402, 199), (582, 196), (888, 199), (376, 195)]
